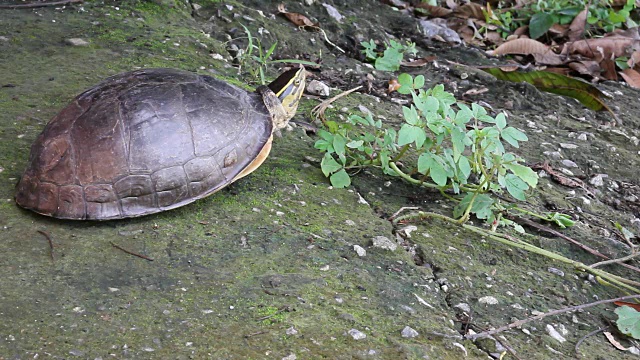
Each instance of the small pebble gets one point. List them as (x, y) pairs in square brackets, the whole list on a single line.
[(598, 180), (408, 332), (357, 334), (383, 242), (350, 222), (333, 12), (568, 146), (555, 334), (290, 357), (488, 300), (556, 271), (568, 163), (360, 250), (76, 42), (291, 331), (319, 88)]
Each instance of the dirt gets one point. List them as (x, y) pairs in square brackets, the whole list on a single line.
[(266, 269)]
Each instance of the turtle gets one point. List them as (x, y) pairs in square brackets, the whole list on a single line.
[(152, 140)]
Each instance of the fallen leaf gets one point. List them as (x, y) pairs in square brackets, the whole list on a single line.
[(634, 60), (521, 46), (576, 29), (297, 19), (605, 47), (586, 93), (632, 77), (615, 342), (609, 69), (624, 303), (393, 86), (586, 67), (470, 10), (549, 58), (432, 11)]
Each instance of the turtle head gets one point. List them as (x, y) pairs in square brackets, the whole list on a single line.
[(288, 87)]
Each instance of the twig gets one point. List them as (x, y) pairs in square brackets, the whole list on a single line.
[(615, 261), (329, 42), (40, 4), (401, 210), (254, 334), (318, 111), (518, 323), (131, 252), (548, 230), (46, 235), (586, 336)]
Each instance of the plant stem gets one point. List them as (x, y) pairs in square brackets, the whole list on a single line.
[(508, 240), (401, 153)]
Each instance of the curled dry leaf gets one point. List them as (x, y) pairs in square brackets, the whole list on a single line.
[(432, 11), (636, 306), (576, 29), (634, 60), (632, 77), (586, 67), (599, 48), (297, 19), (521, 46), (470, 10), (393, 86), (615, 342)]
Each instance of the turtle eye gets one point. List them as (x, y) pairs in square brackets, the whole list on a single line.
[(296, 82)]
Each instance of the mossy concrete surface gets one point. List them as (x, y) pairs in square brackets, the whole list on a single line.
[(266, 268)]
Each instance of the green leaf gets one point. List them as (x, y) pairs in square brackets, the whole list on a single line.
[(464, 166), (390, 60), (501, 121), (340, 179), (515, 186), (354, 144), (410, 115), (437, 173), (321, 144), (523, 172), (481, 206), (329, 165), (628, 321), (539, 24), (513, 135), (457, 140), (405, 79), (562, 220), (339, 143), (408, 134), (418, 82)]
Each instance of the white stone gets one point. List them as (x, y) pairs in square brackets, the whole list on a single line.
[(77, 42), (383, 242), (598, 180), (555, 334), (333, 12), (488, 300), (319, 88), (568, 163), (408, 332), (568, 146), (357, 334), (291, 331), (360, 250)]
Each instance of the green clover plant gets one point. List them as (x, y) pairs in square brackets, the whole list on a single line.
[(456, 149)]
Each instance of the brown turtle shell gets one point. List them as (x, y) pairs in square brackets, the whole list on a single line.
[(143, 142)]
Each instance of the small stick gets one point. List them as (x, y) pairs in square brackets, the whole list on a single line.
[(39, 4), (401, 210), (46, 235), (614, 261), (254, 334), (131, 252), (586, 336), (318, 111), (542, 316)]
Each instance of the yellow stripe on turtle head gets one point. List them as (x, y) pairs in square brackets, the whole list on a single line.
[(289, 87)]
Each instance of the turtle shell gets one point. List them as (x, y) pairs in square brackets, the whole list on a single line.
[(143, 142)]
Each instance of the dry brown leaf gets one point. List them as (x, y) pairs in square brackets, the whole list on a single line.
[(558, 30), (614, 342), (632, 77), (607, 47), (521, 46), (634, 60), (297, 19), (470, 10), (550, 58), (576, 29), (522, 30), (493, 37), (636, 306), (393, 86), (434, 11), (558, 70), (609, 69), (586, 67)]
